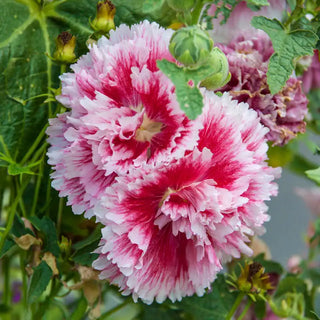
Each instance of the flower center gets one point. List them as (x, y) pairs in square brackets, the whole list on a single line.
[(147, 129)]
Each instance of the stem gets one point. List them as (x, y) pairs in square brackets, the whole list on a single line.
[(114, 310), (37, 188), (196, 12), (12, 212), (235, 305), (246, 308), (6, 289), (24, 280), (295, 12), (34, 145), (59, 218), (21, 203)]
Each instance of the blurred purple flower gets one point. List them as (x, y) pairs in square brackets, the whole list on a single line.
[(311, 78), (283, 112)]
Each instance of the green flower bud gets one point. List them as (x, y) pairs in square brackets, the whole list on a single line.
[(191, 46), (220, 70), (179, 5), (65, 45), (291, 304), (104, 21)]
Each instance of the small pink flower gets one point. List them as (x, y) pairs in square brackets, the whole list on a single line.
[(311, 197), (169, 226), (283, 112)]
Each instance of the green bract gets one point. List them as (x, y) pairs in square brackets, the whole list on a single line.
[(191, 46), (179, 5), (104, 22), (220, 76)]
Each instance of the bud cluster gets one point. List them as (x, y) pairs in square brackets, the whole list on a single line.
[(193, 48)]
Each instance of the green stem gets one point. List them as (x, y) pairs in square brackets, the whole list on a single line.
[(245, 310), (59, 218), (235, 305), (34, 145), (114, 310), (6, 290), (24, 280), (196, 12), (37, 188), (21, 203), (295, 13), (12, 212)]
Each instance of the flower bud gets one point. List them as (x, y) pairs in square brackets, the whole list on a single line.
[(104, 21), (179, 5), (65, 45), (220, 66), (191, 46)]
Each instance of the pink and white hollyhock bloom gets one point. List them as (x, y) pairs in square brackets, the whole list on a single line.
[(123, 112), (283, 112), (170, 226)]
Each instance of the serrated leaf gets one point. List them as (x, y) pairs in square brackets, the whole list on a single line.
[(48, 229), (288, 45), (314, 175), (189, 97), (39, 281)]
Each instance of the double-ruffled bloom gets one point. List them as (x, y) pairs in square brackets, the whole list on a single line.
[(283, 113), (177, 198)]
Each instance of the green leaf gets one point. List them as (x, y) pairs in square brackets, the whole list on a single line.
[(290, 283), (83, 249), (314, 175), (151, 5), (48, 229), (15, 168), (189, 98), (8, 244), (130, 12), (92, 238), (39, 281), (84, 256), (288, 45), (260, 309), (214, 305), (27, 32), (259, 3), (160, 312), (224, 8), (269, 265)]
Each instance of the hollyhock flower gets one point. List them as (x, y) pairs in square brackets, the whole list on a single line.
[(170, 226), (311, 78), (283, 112), (123, 112), (239, 20), (311, 197)]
